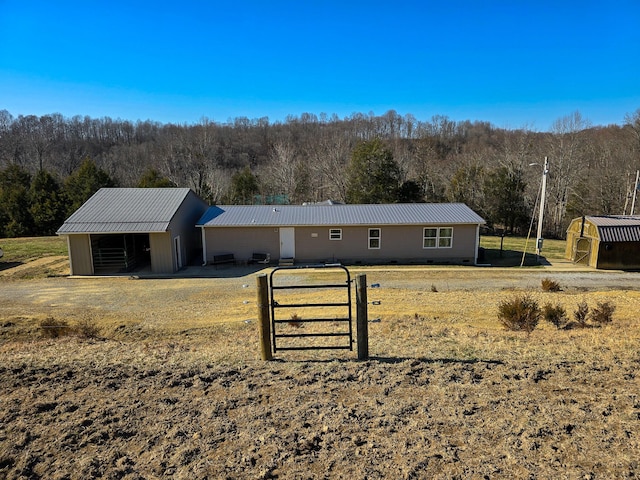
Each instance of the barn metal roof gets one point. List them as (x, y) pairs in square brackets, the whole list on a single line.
[(339, 215), (617, 228), (126, 210)]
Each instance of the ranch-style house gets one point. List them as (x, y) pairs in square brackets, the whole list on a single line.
[(164, 229), (420, 233)]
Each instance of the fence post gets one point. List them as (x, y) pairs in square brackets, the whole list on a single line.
[(362, 317), (264, 322)]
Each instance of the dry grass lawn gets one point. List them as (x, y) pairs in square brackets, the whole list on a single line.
[(173, 385)]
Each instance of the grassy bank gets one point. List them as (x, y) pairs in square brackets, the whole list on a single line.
[(21, 250), (507, 251)]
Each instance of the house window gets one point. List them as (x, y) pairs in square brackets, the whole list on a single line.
[(430, 238), (445, 237), (335, 234), (374, 238), (441, 237)]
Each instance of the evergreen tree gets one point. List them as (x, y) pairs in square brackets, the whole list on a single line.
[(15, 217), (48, 205), (410, 192), (84, 182), (505, 199), (244, 185), (151, 178), (373, 174)]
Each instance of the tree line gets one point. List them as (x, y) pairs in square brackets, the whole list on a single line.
[(50, 165)]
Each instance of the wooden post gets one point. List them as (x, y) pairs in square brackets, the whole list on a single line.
[(362, 317), (264, 321)]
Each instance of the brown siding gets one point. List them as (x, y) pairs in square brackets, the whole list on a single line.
[(619, 255), (243, 242), (80, 259), (398, 244), (162, 255)]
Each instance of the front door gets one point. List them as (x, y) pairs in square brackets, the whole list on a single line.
[(287, 242)]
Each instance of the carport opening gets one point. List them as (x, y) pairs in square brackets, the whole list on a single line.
[(120, 253)]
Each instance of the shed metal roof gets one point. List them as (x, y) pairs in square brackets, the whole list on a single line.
[(126, 210), (617, 228), (339, 215)]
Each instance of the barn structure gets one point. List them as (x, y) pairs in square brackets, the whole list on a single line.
[(123, 229), (606, 242), (421, 233)]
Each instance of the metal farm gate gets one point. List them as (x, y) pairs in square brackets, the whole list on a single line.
[(322, 330)]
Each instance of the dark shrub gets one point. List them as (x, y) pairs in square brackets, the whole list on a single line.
[(603, 313), (549, 285), (52, 328), (521, 313), (86, 328), (581, 314), (555, 314)]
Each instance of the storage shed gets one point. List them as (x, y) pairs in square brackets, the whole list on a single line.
[(605, 242), (421, 233), (124, 229)]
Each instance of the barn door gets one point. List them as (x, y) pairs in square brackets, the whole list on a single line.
[(582, 251)]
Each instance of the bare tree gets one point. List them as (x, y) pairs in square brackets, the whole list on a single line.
[(285, 174), (306, 156), (566, 153), (328, 162)]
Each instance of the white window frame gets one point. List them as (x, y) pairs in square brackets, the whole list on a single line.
[(440, 240), (378, 237), (335, 234), (430, 238), (448, 238)]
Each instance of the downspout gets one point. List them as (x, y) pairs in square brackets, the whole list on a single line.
[(204, 247), (477, 243)]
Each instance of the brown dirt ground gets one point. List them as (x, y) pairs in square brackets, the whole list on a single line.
[(173, 385)]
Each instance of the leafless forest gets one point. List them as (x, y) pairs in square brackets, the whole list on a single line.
[(307, 158)]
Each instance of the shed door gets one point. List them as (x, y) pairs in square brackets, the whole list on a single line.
[(287, 242), (583, 249)]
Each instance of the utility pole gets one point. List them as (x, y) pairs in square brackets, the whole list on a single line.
[(635, 192), (543, 196)]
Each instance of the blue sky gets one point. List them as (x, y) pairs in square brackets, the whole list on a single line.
[(512, 63)]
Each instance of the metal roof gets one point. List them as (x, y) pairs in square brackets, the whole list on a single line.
[(126, 210), (339, 215), (617, 228)]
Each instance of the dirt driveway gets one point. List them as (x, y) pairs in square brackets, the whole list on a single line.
[(199, 297)]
